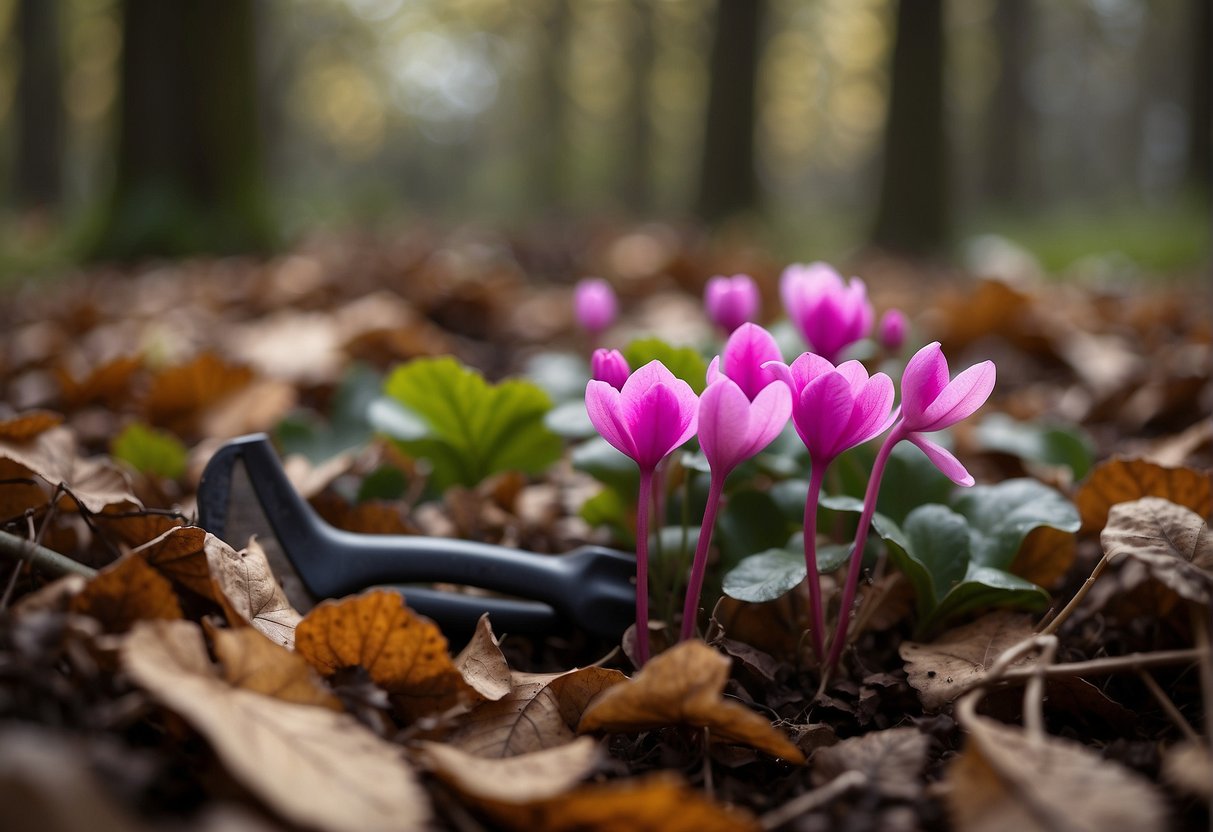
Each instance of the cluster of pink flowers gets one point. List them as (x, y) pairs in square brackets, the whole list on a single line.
[(750, 396)]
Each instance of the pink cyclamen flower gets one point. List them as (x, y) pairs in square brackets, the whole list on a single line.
[(829, 314), (651, 415), (892, 330), (594, 305), (731, 301), (931, 402), (747, 352), (610, 366)]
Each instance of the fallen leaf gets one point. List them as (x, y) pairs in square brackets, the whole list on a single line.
[(1172, 541), (134, 527), (683, 686), (126, 591), (541, 711), (405, 654), (1189, 767), (252, 662), (257, 406), (1006, 781), (107, 383), (95, 483), (483, 665), (526, 778), (314, 767), (1045, 556), (180, 555), (179, 395), (370, 517), (892, 760), (959, 659), (249, 592), (25, 426), (20, 490), (1122, 480), (775, 627)]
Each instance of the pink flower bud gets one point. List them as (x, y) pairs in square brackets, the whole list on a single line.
[(610, 366), (731, 301), (892, 330), (829, 314), (595, 305)]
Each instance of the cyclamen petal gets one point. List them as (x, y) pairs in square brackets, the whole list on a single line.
[(943, 460), (925, 377), (657, 423), (732, 428), (731, 301), (823, 411), (602, 403), (644, 378), (873, 409), (609, 366), (594, 304), (961, 397), (745, 357)]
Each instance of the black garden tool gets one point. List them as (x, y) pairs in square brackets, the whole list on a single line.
[(589, 588)]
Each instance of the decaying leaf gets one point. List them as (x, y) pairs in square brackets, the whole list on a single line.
[(892, 760), (315, 767), (108, 383), (405, 654), (252, 662), (20, 491), (537, 775), (126, 591), (1006, 781), (51, 454), (483, 665), (25, 426), (180, 555), (248, 591), (1122, 480), (1045, 556), (134, 527), (1188, 766), (1173, 543), (959, 659), (179, 395), (683, 686), (541, 711)]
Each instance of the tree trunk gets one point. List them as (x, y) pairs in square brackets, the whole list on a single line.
[(1200, 153), (728, 182), (914, 210), (638, 141), (549, 140), (1008, 117), (190, 167), (39, 152)]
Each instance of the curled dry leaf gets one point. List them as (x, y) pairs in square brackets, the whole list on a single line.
[(959, 659), (1045, 556), (51, 454), (108, 383), (1122, 480), (179, 554), (25, 426), (541, 711), (134, 527), (537, 775), (892, 760), (179, 395), (252, 662), (1006, 781), (1188, 766), (126, 591), (483, 665), (20, 491), (315, 767), (404, 653), (248, 591), (683, 686), (1172, 542)]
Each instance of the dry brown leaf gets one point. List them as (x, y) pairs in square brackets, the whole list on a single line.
[(1045, 556), (1006, 781), (248, 591), (180, 555), (1121, 480), (541, 711), (368, 517), (108, 383), (960, 658), (26, 426), (252, 662), (683, 686), (483, 665), (892, 760), (775, 627), (1173, 542), (178, 395), (135, 527), (405, 654), (1189, 767), (537, 775), (20, 490), (95, 483), (257, 406), (49, 453), (657, 803), (126, 591), (315, 767)]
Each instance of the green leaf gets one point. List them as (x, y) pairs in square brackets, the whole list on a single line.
[(609, 466), (347, 425), (765, 576), (750, 522), (149, 451), (607, 508), (683, 362), (1001, 516), (938, 539), (387, 482), (982, 588), (1066, 445), (471, 429)]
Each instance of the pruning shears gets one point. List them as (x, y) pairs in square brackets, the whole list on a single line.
[(590, 588)]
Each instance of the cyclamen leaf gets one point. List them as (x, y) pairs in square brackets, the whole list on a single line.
[(469, 429), (1066, 445), (1002, 515), (683, 362), (765, 576)]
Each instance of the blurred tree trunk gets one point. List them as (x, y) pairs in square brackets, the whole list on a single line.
[(1008, 117), (549, 139), (637, 144), (39, 106), (189, 172), (913, 216), (728, 182), (1200, 154)]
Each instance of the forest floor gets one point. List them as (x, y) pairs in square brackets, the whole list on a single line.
[(163, 678)]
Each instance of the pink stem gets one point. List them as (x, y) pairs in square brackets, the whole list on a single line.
[(642, 566), (690, 609), (813, 577), (861, 535)]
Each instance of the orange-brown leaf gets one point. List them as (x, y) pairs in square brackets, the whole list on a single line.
[(1122, 480), (179, 394), (253, 662), (248, 591), (127, 591), (25, 426)]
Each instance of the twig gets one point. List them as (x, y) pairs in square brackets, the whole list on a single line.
[(1169, 707), (49, 561), (1034, 692), (1069, 608), (1110, 664), (809, 801)]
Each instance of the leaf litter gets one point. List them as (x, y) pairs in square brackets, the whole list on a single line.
[(183, 656)]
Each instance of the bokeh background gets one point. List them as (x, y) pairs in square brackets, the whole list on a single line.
[(1077, 130)]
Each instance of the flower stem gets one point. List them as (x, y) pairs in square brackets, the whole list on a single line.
[(699, 566), (812, 576), (861, 535), (642, 566)]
